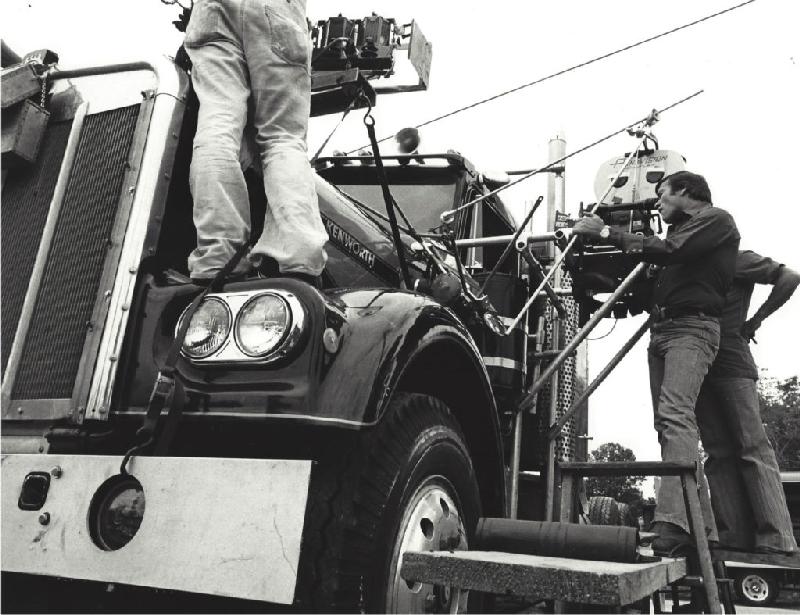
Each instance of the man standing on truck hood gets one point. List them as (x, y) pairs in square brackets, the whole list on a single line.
[(251, 62), (698, 258), (743, 474)]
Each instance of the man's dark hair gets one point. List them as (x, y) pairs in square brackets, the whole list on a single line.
[(695, 185)]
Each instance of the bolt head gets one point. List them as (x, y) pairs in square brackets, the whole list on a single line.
[(57, 472), (44, 518)]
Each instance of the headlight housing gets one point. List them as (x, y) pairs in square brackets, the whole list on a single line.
[(258, 326), (262, 324), (208, 329)]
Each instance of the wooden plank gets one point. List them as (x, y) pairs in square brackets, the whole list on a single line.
[(590, 582)]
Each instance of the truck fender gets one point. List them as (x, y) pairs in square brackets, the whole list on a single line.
[(400, 341)]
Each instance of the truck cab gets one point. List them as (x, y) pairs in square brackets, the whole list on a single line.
[(314, 435)]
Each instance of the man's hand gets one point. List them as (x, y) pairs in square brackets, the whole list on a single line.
[(589, 226), (749, 328)]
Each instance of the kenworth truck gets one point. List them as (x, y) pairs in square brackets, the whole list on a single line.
[(319, 433)]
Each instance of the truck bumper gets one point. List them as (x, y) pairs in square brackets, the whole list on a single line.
[(227, 527)]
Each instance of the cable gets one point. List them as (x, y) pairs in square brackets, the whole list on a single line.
[(522, 178), (574, 67), (350, 107), (610, 331)]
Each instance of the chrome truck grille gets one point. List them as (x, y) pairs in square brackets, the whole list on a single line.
[(26, 200), (51, 351)]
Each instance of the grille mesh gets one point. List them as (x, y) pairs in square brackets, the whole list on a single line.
[(26, 201), (69, 287)]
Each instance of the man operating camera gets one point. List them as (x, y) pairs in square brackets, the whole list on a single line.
[(698, 259)]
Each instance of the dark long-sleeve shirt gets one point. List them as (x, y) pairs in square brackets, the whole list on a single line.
[(734, 359), (699, 259)]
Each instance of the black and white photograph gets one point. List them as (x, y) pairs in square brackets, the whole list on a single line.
[(400, 307)]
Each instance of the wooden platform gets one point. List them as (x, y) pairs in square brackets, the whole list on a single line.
[(572, 580)]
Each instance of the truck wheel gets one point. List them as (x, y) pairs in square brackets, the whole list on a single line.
[(603, 510), (626, 516), (756, 587), (406, 485)]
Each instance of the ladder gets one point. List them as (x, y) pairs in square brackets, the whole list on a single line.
[(706, 583)]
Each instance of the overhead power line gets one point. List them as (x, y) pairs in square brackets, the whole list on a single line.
[(575, 67), (570, 155)]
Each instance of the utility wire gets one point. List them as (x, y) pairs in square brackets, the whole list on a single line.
[(656, 112), (575, 67)]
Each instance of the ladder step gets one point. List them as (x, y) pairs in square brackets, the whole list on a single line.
[(626, 468)]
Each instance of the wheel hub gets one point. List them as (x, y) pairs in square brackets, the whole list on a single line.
[(755, 588), (431, 522)]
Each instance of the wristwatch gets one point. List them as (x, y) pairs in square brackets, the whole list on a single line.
[(605, 232)]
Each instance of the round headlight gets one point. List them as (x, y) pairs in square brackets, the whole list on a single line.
[(208, 329), (116, 513), (262, 324)]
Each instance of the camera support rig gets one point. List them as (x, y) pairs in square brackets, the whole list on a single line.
[(349, 54)]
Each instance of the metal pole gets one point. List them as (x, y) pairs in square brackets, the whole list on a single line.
[(584, 332), (555, 428), (557, 149), (550, 474), (497, 239), (516, 451), (556, 203)]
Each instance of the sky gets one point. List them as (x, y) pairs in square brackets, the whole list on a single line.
[(742, 133)]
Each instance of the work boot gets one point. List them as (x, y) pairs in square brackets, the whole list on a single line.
[(672, 539), (239, 277), (267, 267)]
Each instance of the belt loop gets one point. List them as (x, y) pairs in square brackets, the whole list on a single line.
[(658, 313)]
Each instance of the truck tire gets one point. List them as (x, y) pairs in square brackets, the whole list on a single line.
[(756, 587), (603, 510), (626, 516), (407, 484)]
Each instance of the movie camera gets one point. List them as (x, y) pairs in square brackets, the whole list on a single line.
[(630, 206)]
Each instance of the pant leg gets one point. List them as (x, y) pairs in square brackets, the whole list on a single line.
[(733, 512), (278, 52), (682, 350), (220, 80), (757, 463)]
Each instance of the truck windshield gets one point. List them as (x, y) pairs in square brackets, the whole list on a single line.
[(422, 194), (421, 204)]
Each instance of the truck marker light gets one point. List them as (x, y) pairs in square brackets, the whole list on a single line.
[(34, 490), (116, 512), (330, 340)]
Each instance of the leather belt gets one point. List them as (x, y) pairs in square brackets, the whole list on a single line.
[(664, 313)]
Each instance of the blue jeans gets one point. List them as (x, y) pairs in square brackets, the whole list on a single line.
[(746, 490), (680, 354), (251, 67)]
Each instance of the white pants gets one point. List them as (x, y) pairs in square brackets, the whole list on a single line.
[(251, 63)]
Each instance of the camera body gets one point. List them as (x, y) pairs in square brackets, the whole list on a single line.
[(631, 206)]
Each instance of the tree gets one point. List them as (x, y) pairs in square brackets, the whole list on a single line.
[(780, 413), (621, 488)]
